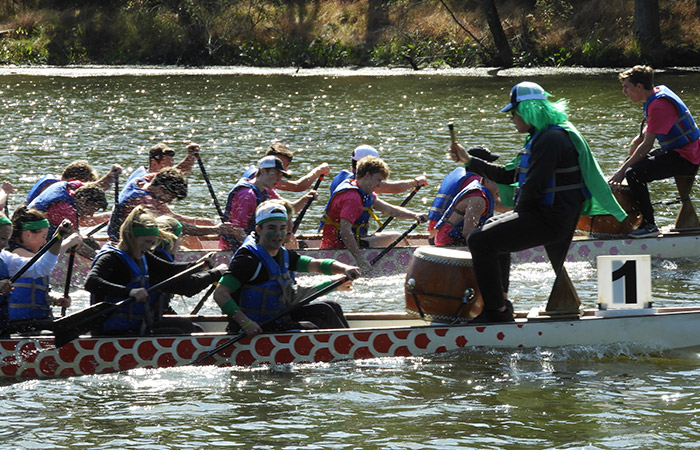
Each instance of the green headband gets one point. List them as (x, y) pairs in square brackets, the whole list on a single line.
[(5, 221), (34, 225), (178, 229), (145, 231)]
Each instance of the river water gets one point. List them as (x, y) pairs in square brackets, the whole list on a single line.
[(592, 398)]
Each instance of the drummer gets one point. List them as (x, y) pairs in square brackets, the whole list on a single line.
[(555, 173), (259, 283), (346, 219)]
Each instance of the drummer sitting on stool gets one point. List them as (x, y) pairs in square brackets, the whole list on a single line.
[(259, 283), (346, 220)]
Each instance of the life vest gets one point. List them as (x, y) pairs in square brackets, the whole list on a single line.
[(361, 225), (134, 316), (130, 192), (456, 231), (29, 298), (4, 310), (684, 130), (260, 196), (449, 187), (61, 191), (342, 176), (552, 186), (261, 302), (39, 187), (135, 175)]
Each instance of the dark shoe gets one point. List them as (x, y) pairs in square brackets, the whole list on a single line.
[(645, 231), (495, 316)]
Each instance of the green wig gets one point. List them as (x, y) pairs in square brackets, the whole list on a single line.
[(541, 114)]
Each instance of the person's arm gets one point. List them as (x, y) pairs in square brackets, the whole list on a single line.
[(108, 277), (398, 211), (5, 190), (398, 186), (304, 182), (160, 269), (638, 151), (299, 204), (473, 207), (188, 162), (223, 296), (494, 172), (106, 181), (348, 238)]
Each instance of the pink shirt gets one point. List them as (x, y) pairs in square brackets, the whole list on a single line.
[(242, 209), (662, 115)]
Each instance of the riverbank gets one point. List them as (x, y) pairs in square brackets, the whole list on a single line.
[(413, 34)]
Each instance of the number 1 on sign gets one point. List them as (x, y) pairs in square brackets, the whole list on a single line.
[(625, 282)]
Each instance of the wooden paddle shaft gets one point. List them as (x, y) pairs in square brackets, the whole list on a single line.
[(451, 126)]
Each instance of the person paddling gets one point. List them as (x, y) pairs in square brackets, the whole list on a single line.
[(284, 154), (30, 298), (127, 269), (156, 195), (248, 193), (346, 218), (259, 283), (11, 263), (161, 156)]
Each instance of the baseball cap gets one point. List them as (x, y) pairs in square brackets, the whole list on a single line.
[(482, 152), (272, 162), (526, 90), (268, 211), (364, 150), (159, 150)]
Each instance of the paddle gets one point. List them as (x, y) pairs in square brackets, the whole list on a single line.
[(70, 327), (69, 275), (204, 299), (403, 203), (393, 244), (275, 318), (209, 186), (96, 229), (297, 221)]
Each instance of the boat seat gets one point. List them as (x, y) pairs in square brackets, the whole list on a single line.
[(687, 218), (563, 299)]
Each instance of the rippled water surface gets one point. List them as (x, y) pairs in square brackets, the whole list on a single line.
[(592, 398)]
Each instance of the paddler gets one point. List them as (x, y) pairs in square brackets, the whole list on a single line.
[(128, 268), (668, 120), (346, 219), (284, 154), (168, 185), (161, 156), (11, 263), (556, 178), (30, 299), (79, 170), (259, 282), (70, 200), (464, 201), (388, 186), (248, 193)]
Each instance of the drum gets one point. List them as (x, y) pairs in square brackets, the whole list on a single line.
[(441, 285), (607, 224)]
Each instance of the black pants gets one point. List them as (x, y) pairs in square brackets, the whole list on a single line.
[(658, 165), (492, 244)]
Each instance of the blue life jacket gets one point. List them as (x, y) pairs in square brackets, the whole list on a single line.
[(4, 310), (61, 191), (449, 187), (361, 225), (260, 197), (684, 131), (552, 186), (261, 302), (132, 317), (130, 192), (29, 298), (135, 175), (39, 187), (344, 174), (456, 231)]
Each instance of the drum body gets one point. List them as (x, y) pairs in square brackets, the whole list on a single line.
[(607, 224), (441, 285)]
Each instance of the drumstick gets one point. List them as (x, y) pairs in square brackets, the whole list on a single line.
[(451, 126)]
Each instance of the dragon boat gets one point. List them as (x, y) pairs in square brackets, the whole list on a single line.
[(440, 299)]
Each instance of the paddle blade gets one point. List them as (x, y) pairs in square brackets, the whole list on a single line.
[(70, 327)]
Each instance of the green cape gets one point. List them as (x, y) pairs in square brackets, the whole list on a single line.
[(602, 200)]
